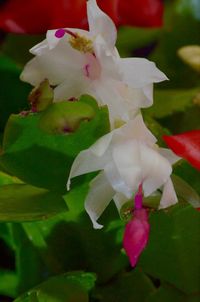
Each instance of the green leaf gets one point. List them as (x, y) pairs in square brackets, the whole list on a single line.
[(168, 101), (70, 287), (165, 294), (43, 159), (74, 244), (184, 170), (8, 283), (129, 287), (185, 191), (13, 93), (6, 179), (172, 253), (21, 202)]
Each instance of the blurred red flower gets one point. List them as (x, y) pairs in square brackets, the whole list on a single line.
[(37, 16), (186, 145)]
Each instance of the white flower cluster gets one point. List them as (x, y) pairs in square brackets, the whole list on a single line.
[(80, 62)]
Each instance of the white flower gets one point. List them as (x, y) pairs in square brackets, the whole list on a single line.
[(86, 62), (127, 157)]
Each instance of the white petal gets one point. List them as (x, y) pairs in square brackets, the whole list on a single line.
[(139, 72), (126, 157), (73, 86), (101, 24), (136, 129), (98, 198), (32, 73), (87, 161), (169, 155), (155, 168), (105, 92), (40, 48), (169, 197), (100, 147), (120, 200)]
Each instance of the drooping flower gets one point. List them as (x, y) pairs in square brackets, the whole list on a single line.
[(136, 232), (36, 16), (127, 157), (186, 145), (81, 62)]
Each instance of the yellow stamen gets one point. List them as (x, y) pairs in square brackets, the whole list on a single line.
[(81, 44)]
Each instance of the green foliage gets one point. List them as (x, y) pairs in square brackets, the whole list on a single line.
[(48, 245), (70, 287), (21, 202), (173, 251), (13, 92), (43, 159), (133, 286)]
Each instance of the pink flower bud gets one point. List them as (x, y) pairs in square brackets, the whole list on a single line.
[(136, 235)]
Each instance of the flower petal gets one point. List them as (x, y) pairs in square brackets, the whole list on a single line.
[(101, 24), (32, 73), (139, 72), (116, 181), (72, 87), (169, 197), (119, 200), (136, 129), (169, 155), (155, 168), (98, 198), (186, 145), (87, 161)]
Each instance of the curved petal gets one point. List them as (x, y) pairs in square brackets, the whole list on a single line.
[(57, 64), (119, 200), (136, 129), (101, 24), (169, 155), (116, 180), (139, 72), (98, 198), (106, 94), (73, 86), (126, 157), (169, 197), (155, 168), (32, 73), (87, 161)]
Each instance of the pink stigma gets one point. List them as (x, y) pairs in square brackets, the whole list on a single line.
[(61, 32), (138, 198)]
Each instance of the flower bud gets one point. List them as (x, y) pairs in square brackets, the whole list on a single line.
[(41, 97), (136, 235), (65, 117)]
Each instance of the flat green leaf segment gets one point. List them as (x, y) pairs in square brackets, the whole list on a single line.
[(44, 159), (173, 251), (169, 101), (21, 202), (70, 287)]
